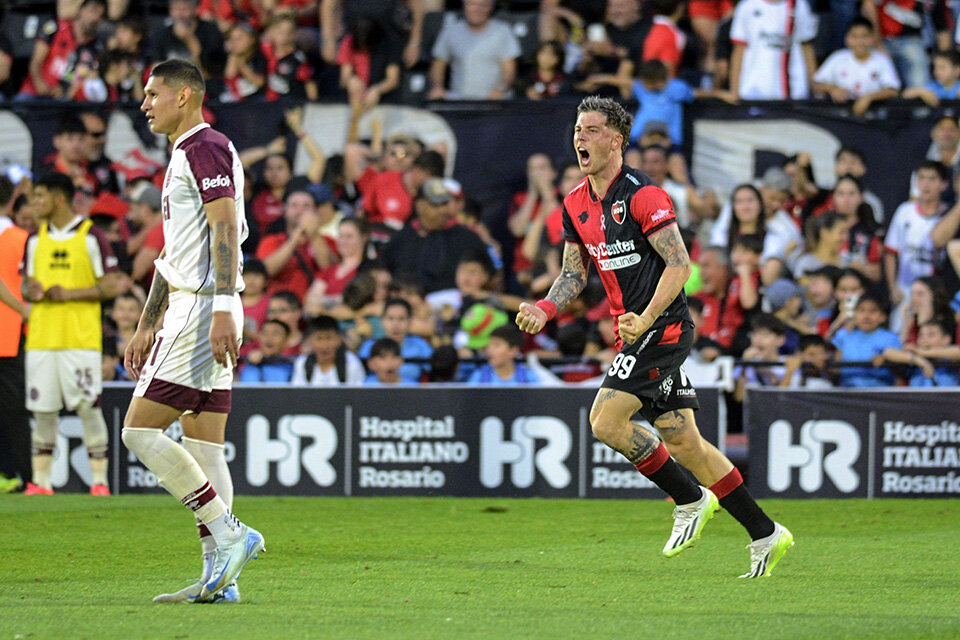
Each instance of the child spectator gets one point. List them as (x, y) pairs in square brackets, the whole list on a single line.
[(125, 315), (329, 363), (289, 74), (933, 336), (547, 79), (254, 297), (245, 73), (767, 335), (444, 364), (821, 303), (396, 326), (808, 367), (385, 363), (850, 286), (946, 80), (859, 72), (119, 80), (502, 369), (285, 307), (784, 299), (742, 294), (865, 342), (267, 363), (111, 364), (910, 253), (661, 99)]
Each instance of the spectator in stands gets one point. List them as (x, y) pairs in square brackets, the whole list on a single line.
[(865, 342), (119, 80), (256, 303), (933, 336), (542, 245), (130, 38), (859, 72), (661, 100), (665, 42), (388, 201), (267, 205), (370, 64), (146, 213), (61, 48), (386, 364), (767, 335), (401, 21), (187, 37), (852, 162), (945, 84), (864, 243), (481, 53), (267, 363), (944, 145), (910, 253), (294, 256), (111, 365), (70, 157), (715, 276), (540, 198), (690, 206), (352, 244), (743, 294), (929, 301), (125, 314), (706, 16), (329, 363), (748, 216), (547, 79), (289, 73), (285, 307), (614, 48), (98, 163), (444, 364), (245, 73), (24, 214), (826, 235), (395, 320), (783, 242), (502, 368), (850, 286), (761, 31), (900, 24), (784, 300), (808, 368), (427, 249), (821, 303)]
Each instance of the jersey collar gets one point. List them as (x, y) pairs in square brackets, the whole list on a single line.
[(76, 220), (613, 183), (190, 132)]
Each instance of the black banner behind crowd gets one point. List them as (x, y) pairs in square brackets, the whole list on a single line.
[(456, 441), (727, 144), (853, 443)]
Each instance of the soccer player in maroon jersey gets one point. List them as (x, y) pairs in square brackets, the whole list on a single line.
[(623, 222)]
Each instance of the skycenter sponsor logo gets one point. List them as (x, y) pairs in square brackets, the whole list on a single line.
[(610, 257)]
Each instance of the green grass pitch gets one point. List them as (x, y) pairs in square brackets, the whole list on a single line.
[(74, 566)]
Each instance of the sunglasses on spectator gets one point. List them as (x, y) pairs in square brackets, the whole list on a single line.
[(97, 134)]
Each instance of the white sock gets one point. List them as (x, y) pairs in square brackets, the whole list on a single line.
[(181, 476), (95, 440), (209, 455), (44, 439)]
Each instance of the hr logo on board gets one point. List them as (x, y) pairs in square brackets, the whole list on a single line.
[(809, 455), (520, 451)]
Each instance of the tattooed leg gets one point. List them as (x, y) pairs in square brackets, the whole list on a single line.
[(684, 442), (610, 421)]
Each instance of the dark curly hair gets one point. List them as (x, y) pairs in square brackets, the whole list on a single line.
[(617, 117)]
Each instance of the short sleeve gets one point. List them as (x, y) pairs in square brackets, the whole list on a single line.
[(826, 72), (738, 29), (101, 253), (807, 23), (888, 73), (569, 230), (680, 91), (511, 46), (212, 166), (892, 240), (652, 208), (442, 48)]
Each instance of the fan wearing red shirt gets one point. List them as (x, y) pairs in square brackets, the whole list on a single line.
[(539, 199), (665, 42), (623, 223), (61, 47), (289, 74), (389, 198)]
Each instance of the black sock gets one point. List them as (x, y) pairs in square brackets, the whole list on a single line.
[(747, 512), (671, 478)]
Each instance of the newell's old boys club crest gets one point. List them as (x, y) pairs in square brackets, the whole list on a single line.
[(617, 211)]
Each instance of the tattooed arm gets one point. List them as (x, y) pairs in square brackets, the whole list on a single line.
[(222, 218), (567, 286), (139, 346)]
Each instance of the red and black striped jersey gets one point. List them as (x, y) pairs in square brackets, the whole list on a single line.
[(615, 232)]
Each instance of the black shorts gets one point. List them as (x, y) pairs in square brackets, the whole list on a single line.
[(650, 369)]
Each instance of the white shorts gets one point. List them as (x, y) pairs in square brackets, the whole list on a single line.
[(63, 378), (180, 371)]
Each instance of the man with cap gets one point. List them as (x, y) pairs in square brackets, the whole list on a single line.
[(294, 256), (145, 212), (427, 249)]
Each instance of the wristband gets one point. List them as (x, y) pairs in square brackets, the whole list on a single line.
[(548, 308), (223, 302)]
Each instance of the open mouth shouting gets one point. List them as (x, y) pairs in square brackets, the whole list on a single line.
[(583, 156)]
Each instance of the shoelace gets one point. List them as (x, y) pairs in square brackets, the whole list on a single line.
[(682, 516)]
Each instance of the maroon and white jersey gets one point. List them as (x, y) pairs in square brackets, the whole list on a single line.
[(615, 232), (204, 166)]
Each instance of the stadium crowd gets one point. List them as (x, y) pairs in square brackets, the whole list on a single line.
[(374, 268)]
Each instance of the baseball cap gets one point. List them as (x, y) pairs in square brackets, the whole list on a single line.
[(322, 193), (780, 292), (110, 205), (776, 178), (435, 192), (145, 192)]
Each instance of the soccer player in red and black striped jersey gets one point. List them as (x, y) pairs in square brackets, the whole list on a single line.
[(626, 225)]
